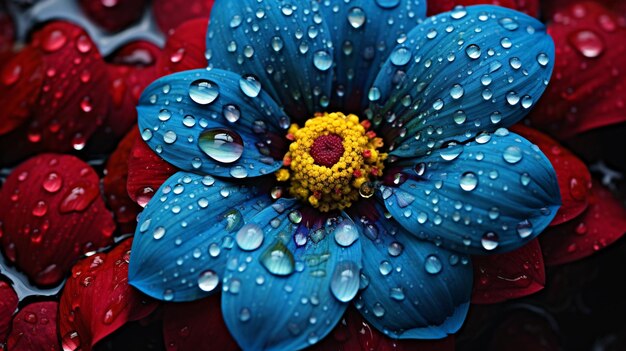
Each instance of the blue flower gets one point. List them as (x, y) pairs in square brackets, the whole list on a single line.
[(379, 206)]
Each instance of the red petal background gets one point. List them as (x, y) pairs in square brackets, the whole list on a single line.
[(97, 299), (124, 208), (587, 88), (35, 328), (603, 223), (114, 15), (508, 276), (8, 305), (172, 13), (146, 172), (51, 212), (196, 326), (184, 50)]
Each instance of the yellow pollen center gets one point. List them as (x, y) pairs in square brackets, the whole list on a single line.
[(319, 172)]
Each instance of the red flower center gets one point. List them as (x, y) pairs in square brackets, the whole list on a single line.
[(327, 150)]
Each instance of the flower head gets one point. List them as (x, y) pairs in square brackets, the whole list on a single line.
[(338, 152)]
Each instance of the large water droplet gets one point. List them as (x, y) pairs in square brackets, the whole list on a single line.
[(468, 181), (587, 42), (203, 91), (512, 154), (222, 145), (208, 280), (249, 237), (278, 260), (346, 234), (344, 283), (490, 241), (524, 229), (473, 51), (432, 264), (322, 60), (400, 56), (356, 17), (250, 85)]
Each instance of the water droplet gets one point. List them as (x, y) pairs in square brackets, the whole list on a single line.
[(52, 183), (388, 4), (433, 264), (587, 42), (451, 151), (250, 85), (346, 234), (168, 295), (208, 280), (524, 229), (54, 41), (356, 17), (170, 137), (322, 60), (158, 233), (249, 237), (512, 154), (508, 23), (221, 145), (395, 249), (457, 91), (278, 260), (458, 12), (468, 181), (490, 241), (378, 310), (515, 62), (40, 209), (203, 91), (400, 56), (385, 268), (231, 113), (344, 282), (473, 51), (164, 115), (543, 59)]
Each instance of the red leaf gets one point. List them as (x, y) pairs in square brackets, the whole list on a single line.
[(114, 15), (146, 172), (170, 14), (74, 100), (185, 49), (22, 78), (508, 276), (7, 34), (530, 7), (52, 201), (353, 333), (196, 325), (124, 208), (603, 223), (572, 174), (35, 328), (8, 305), (587, 88), (97, 299)]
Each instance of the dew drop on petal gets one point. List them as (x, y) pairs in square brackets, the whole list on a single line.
[(203, 91), (208, 280), (433, 264), (344, 283), (490, 241), (222, 145), (249, 237)]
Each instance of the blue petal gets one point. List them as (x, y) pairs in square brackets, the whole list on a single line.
[(415, 290), (284, 44), (491, 195), (364, 33), (184, 234), (284, 296), (469, 70), (177, 110)]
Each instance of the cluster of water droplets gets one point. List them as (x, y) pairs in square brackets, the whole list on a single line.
[(459, 188), (221, 115), (438, 85)]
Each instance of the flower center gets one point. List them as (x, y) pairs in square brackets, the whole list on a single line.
[(331, 160)]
